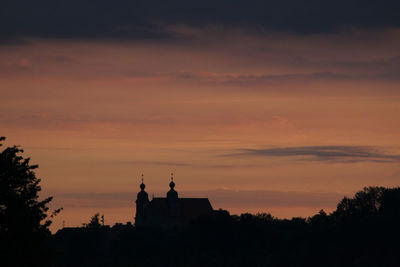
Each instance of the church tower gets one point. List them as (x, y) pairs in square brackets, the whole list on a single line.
[(142, 204), (173, 204)]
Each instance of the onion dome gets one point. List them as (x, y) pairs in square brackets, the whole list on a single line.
[(172, 185), (142, 196), (142, 185), (172, 194)]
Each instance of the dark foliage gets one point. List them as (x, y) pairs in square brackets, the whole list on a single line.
[(24, 223), (94, 221), (362, 231)]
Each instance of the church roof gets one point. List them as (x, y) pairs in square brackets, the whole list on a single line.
[(192, 208), (160, 205), (189, 208)]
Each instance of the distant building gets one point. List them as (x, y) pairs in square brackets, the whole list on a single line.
[(170, 211)]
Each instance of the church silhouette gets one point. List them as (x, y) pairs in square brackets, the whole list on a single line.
[(170, 211)]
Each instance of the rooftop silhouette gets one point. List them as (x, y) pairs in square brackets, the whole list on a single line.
[(170, 211)]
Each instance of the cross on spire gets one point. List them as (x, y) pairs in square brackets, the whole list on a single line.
[(172, 176), (142, 177)]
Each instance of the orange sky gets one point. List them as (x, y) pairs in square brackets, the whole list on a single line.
[(283, 123)]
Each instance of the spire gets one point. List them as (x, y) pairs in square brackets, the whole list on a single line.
[(142, 185), (172, 194), (172, 184)]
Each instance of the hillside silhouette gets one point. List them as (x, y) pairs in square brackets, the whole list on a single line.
[(362, 231)]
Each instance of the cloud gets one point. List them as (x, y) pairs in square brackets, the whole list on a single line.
[(231, 79), (344, 154), (151, 19), (188, 164), (246, 80)]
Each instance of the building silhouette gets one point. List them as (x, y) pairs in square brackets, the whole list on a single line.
[(170, 211)]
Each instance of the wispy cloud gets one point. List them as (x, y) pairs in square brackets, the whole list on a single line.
[(344, 154), (185, 164), (237, 79)]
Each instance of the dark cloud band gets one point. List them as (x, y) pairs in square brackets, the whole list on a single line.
[(148, 19), (322, 153)]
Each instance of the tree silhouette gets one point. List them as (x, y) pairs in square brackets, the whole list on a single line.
[(94, 221), (362, 231), (24, 222), (365, 204)]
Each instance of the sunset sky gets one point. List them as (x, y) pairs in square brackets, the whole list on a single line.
[(262, 106)]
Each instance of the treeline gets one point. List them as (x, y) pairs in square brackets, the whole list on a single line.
[(362, 231)]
